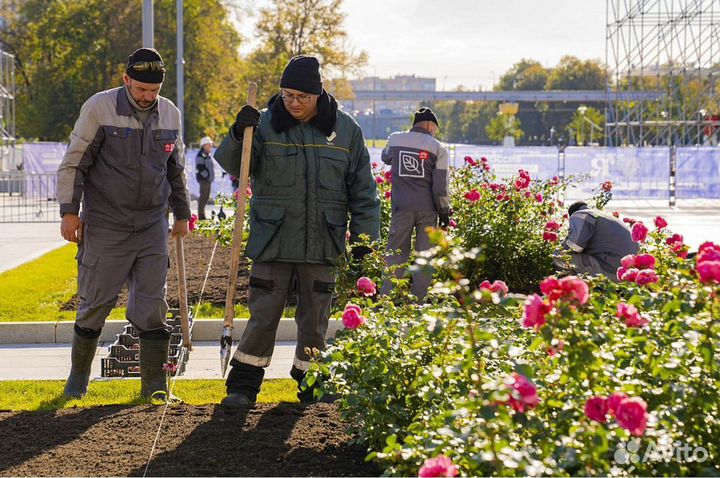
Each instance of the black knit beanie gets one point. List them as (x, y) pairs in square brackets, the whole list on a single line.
[(425, 114), (302, 73), (146, 65)]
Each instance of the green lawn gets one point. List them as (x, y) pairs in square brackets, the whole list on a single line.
[(35, 292), (21, 395)]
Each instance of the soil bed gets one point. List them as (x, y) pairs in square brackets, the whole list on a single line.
[(277, 439)]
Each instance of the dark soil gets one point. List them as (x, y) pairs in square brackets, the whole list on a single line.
[(279, 439), (198, 251)]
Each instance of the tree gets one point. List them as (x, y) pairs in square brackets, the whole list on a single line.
[(500, 127), (312, 27), (587, 125), (572, 74), (67, 50), (528, 75)]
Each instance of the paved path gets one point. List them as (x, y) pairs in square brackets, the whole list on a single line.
[(52, 361)]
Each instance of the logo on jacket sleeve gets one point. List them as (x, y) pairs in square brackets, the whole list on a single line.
[(169, 147), (410, 164), (424, 155)]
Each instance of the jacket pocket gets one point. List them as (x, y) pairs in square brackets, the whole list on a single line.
[(278, 165), (164, 142), (118, 146), (336, 225), (332, 169), (265, 222)]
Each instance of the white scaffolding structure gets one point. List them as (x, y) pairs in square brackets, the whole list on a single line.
[(672, 46), (7, 109)]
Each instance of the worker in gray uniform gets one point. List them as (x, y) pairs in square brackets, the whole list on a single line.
[(419, 166), (597, 242), (125, 164), (310, 171)]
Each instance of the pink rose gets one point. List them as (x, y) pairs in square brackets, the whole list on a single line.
[(552, 226), (500, 288), (607, 186), (630, 275), (680, 250), (646, 276), (660, 222), (528, 194), (379, 179), (366, 286), (614, 400), (472, 196), (556, 349), (709, 271), (388, 176), (550, 236), (388, 194), (631, 315), (470, 161), (631, 414), (523, 394), (596, 409), (539, 197), (645, 261), (708, 252), (483, 159), (192, 222), (628, 262), (639, 232), (534, 312), (620, 272), (486, 167), (351, 317), (438, 466), (485, 285), (452, 224), (674, 239), (374, 165), (616, 214), (523, 181), (570, 288)]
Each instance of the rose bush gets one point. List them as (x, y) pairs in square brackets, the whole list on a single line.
[(487, 383)]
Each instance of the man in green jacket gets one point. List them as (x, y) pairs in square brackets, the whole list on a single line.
[(310, 173)]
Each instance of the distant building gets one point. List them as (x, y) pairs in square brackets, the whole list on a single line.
[(380, 118)]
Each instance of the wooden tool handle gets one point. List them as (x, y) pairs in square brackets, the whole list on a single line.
[(182, 291), (240, 213)]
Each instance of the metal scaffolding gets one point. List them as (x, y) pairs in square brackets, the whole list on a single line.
[(672, 46), (7, 109)]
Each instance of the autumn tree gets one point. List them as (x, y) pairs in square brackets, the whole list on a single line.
[(288, 28)]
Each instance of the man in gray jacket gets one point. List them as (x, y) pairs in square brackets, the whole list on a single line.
[(419, 193), (125, 164), (597, 241)]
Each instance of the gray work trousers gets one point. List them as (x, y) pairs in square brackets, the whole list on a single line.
[(584, 264), (107, 259), (203, 198), (402, 225), (269, 288)]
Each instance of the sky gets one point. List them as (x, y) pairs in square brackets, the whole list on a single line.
[(466, 42)]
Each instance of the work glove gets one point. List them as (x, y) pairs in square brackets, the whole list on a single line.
[(444, 219), (247, 116)]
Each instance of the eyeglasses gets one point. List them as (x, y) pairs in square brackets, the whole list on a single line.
[(301, 99), (148, 65)]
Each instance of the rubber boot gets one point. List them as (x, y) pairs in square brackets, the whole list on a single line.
[(153, 355), (243, 385), (83, 352)]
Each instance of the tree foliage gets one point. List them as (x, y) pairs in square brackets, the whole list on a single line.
[(311, 27), (67, 50)]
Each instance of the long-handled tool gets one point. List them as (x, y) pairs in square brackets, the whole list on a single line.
[(182, 293), (226, 337)]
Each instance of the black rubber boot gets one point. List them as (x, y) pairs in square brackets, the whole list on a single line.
[(308, 395), (153, 355), (83, 352), (243, 385)]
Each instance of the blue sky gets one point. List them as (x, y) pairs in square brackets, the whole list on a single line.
[(468, 42)]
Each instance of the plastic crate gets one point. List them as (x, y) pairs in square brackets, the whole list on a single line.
[(123, 359)]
